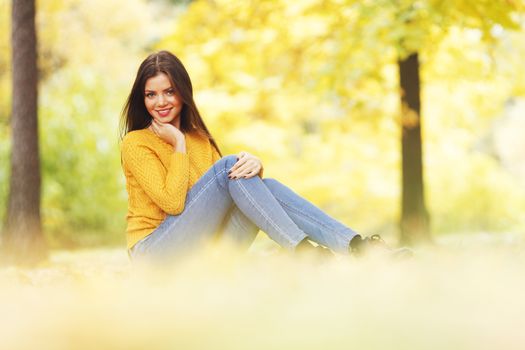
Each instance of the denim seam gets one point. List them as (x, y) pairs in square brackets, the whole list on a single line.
[(220, 172), (190, 204), (204, 188), (297, 211), (250, 199)]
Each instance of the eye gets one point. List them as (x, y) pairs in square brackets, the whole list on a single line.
[(170, 92), (150, 94)]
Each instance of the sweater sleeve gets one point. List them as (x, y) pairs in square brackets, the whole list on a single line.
[(166, 187)]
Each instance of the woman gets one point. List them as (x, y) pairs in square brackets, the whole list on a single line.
[(183, 191)]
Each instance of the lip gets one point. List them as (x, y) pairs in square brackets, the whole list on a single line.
[(163, 112)]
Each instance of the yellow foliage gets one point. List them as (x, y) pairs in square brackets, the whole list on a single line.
[(311, 87)]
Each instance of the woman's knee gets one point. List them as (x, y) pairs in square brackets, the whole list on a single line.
[(226, 162)]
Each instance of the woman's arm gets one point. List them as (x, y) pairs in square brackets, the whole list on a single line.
[(166, 188)]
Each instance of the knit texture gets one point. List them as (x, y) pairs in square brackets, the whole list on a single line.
[(158, 178)]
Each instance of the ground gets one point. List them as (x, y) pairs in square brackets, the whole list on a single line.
[(465, 293)]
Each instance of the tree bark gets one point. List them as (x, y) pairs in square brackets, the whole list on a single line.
[(23, 239), (415, 221)]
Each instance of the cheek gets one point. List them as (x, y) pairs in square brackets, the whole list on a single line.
[(177, 101), (149, 104)]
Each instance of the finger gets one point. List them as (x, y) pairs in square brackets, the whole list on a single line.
[(251, 174), (154, 127), (239, 163), (242, 155), (247, 170), (243, 170), (247, 164), (253, 158)]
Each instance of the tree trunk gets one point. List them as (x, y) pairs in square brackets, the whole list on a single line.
[(414, 218), (23, 238)]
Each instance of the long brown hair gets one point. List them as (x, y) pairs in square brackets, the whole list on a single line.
[(135, 116)]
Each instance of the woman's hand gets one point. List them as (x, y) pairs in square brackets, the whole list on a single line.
[(170, 134), (247, 166)]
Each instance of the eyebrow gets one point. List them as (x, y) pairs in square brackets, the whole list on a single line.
[(170, 88)]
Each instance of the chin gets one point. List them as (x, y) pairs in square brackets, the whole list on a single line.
[(167, 120)]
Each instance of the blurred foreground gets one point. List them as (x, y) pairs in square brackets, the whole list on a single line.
[(463, 294)]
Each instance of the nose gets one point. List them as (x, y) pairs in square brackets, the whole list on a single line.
[(161, 100)]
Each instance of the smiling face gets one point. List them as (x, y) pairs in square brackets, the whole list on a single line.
[(162, 100)]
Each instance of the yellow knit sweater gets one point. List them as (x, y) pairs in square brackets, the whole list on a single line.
[(158, 178)]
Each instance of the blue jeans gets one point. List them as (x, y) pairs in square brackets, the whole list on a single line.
[(237, 209)]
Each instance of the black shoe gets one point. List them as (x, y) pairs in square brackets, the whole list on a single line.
[(305, 247), (375, 245), (360, 246), (323, 253)]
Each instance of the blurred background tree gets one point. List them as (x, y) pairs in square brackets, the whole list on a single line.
[(409, 27), (23, 238), (312, 87)]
